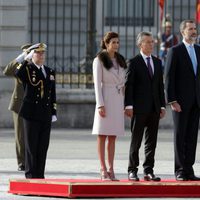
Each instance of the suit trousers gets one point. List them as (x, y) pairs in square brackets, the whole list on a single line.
[(19, 138), (186, 125), (37, 136), (141, 123)]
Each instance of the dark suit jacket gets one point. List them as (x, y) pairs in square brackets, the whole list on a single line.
[(140, 90), (181, 83), (39, 101), (18, 92)]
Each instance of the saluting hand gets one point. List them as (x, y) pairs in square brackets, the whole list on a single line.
[(20, 58), (29, 55), (102, 111)]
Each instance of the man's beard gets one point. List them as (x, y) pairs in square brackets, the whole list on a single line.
[(192, 38)]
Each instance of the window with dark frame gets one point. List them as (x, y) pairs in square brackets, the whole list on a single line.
[(129, 13)]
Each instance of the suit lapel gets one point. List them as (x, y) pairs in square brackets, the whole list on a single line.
[(47, 72), (47, 79), (155, 67), (187, 57), (143, 64), (197, 52), (117, 77)]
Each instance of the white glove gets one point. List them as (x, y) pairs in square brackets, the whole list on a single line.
[(29, 56), (20, 58), (54, 118)]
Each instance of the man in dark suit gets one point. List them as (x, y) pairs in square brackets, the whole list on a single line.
[(38, 109), (145, 104), (183, 94), (14, 106)]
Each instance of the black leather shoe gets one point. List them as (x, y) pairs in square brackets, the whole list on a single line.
[(21, 168), (132, 176), (181, 177), (151, 177), (193, 178)]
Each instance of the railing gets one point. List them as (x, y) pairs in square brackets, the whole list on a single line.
[(72, 29)]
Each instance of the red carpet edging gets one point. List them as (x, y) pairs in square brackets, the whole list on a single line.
[(72, 188)]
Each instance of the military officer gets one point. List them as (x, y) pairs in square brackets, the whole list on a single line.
[(38, 109), (15, 104)]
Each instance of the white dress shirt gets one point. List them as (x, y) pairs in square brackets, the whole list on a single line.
[(43, 70), (145, 60), (187, 45)]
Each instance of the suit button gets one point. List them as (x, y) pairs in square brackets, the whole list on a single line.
[(38, 95), (36, 102), (47, 104), (38, 88), (48, 97)]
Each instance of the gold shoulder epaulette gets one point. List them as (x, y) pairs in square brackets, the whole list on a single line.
[(55, 106), (19, 66)]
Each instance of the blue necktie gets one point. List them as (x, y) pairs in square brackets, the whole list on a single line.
[(149, 67), (193, 58)]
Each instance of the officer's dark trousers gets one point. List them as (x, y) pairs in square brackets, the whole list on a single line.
[(36, 135)]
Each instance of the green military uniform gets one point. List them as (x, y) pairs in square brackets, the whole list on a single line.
[(15, 104)]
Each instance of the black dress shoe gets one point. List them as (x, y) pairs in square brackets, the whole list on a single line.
[(132, 176), (181, 177), (151, 177), (21, 168), (193, 178)]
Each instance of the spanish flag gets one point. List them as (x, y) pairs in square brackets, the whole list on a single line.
[(161, 5), (198, 12)]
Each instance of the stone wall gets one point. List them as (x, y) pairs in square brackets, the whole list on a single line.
[(13, 28), (75, 108)]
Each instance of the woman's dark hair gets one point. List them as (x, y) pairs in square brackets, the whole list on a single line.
[(107, 37), (103, 54)]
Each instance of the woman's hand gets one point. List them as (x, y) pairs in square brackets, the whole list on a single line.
[(102, 111)]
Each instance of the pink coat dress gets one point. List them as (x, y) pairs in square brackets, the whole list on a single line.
[(109, 92)]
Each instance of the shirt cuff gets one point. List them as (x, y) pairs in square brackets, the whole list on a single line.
[(54, 118), (172, 102), (129, 107)]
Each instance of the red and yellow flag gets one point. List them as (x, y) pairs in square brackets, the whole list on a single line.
[(198, 12)]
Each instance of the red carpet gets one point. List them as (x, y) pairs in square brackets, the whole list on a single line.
[(73, 188)]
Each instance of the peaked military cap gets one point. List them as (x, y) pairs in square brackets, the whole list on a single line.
[(40, 47), (25, 46)]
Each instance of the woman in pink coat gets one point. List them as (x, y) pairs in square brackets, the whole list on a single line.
[(109, 77)]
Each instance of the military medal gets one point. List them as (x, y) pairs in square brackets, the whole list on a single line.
[(33, 75)]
